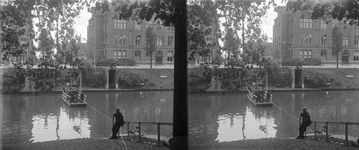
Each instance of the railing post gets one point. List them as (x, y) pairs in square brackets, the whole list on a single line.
[(326, 131), (158, 132), (346, 132), (315, 130), (128, 130), (139, 131)]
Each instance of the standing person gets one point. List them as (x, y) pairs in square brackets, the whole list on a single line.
[(304, 124), (117, 121)]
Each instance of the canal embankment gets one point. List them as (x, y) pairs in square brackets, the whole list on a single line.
[(105, 144)]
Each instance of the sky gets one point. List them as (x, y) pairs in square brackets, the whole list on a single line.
[(81, 22)]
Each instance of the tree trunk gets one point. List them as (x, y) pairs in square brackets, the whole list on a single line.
[(151, 59), (337, 59)]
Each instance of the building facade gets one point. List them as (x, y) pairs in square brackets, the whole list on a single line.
[(109, 38), (295, 35)]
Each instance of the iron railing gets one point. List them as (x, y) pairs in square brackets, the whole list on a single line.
[(325, 128), (138, 129)]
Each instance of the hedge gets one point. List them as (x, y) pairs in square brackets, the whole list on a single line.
[(120, 62)]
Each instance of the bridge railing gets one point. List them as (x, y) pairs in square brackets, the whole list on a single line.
[(325, 128), (152, 130)]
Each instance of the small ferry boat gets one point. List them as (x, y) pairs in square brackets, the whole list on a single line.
[(73, 98), (258, 98)]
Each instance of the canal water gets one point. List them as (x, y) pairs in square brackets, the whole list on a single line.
[(212, 117)]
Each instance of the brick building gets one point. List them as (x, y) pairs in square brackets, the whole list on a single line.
[(109, 38), (295, 35)]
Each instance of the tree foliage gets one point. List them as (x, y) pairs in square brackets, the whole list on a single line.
[(150, 42), (37, 20), (344, 10)]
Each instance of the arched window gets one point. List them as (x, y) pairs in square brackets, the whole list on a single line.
[(159, 53), (138, 55)]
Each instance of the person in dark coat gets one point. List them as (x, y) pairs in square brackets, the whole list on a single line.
[(118, 122), (304, 124)]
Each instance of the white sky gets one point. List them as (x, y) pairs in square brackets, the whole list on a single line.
[(267, 22)]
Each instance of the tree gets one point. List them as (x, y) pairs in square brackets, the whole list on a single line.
[(346, 10), (46, 44), (337, 45), (150, 42), (20, 17)]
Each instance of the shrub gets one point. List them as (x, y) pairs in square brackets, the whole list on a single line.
[(13, 80), (127, 78), (290, 62), (312, 62), (96, 79), (110, 62), (282, 78), (126, 62), (316, 79), (199, 79)]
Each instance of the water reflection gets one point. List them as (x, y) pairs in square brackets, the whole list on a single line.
[(29, 118), (217, 118), (212, 117)]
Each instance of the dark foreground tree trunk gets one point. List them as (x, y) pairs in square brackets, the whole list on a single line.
[(180, 107)]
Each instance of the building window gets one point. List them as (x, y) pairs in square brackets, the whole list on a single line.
[(104, 53), (323, 55), (333, 55), (305, 21), (117, 24), (170, 28), (356, 55), (122, 39), (346, 40), (137, 26), (138, 55), (357, 27), (324, 39), (323, 25), (138, 40), (309, 56), (301, 54), (306, 39), (122, 24), (159, 41), (170, 56), (356, 39), (148, 56), (124, 54), (170, 40)]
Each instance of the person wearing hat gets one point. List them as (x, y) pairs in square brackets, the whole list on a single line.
[(117, 121), (305, 122)]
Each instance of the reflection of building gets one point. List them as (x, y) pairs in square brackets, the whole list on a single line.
[(295, 35), (120, 39)]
